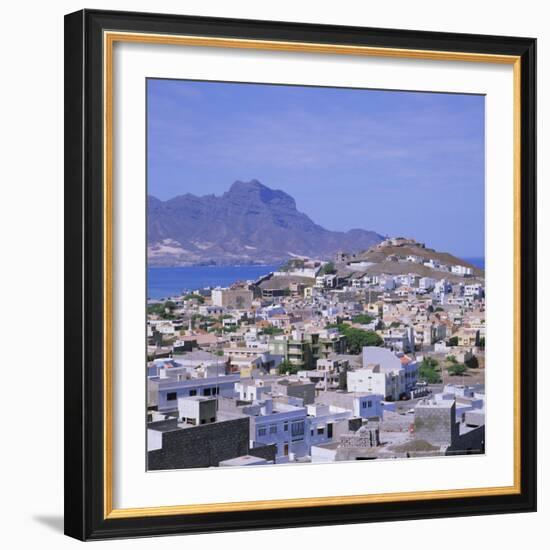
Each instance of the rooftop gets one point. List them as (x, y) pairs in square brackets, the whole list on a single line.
[(164, 425), (245, 460), (199, 398), (432, 403), (200, 355)]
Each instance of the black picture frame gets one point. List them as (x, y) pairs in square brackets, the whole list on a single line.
[(84, 282)]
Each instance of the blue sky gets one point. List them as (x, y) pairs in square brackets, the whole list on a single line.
[(399, 163)]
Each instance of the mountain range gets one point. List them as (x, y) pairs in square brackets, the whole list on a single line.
[(249, 223)]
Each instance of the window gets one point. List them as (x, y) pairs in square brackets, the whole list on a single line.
[(320, 431), (364, 404), (369, 404), (213, 419), (261, 432), (273, 429), (297, 428), (171, 396), (286, 427), (203, 421), (329, 430), (192, 393), (207, 391)]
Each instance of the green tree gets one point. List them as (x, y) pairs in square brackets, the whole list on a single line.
[(430, 362), (272, 330), (286, 367), (482, 342), (472, 363), (163, 309), (328, 269), (363, 319), (293, 263), (453, 341), (196, 297), (451, 359), (457, 370), (429, 371), (357, 339), (155, 309)]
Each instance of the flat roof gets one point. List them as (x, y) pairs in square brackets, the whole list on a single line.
[(443, 404), (197, 398), (245, 460), (163, 425)]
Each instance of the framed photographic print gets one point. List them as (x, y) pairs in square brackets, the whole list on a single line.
[(300, 274)]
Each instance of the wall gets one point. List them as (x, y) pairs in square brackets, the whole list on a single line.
[(435, 424), (32, 227), (201, 446)]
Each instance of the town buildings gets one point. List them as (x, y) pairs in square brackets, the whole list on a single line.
[(321, 362)]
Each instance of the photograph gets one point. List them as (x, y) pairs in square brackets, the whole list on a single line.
[(284, 242), (315, 274)]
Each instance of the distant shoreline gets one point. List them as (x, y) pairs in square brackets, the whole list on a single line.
[(172, 281), (477, 261)]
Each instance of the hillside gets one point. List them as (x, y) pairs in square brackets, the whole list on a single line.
[(388, 258)]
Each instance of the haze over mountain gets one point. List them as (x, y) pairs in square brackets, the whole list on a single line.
[(249, 223)]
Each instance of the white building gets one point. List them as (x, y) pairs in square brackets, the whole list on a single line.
[(433, 264), (169, 390), (360, 404), (252, 389), (407, 280), (326, 281), (442, 287), (384, 373), (474, 290), (461, 270), (426, 283), (197, 410), (398, 339)]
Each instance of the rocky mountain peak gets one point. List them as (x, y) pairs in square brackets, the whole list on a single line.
[(249, 223), (255, 192)]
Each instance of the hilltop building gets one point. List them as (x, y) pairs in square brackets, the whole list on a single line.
[(232, 298)]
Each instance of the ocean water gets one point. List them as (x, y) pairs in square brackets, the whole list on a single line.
[(478, 262), (163, 282), (170, 281)]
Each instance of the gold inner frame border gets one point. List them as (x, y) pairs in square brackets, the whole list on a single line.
[(109, 39)]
